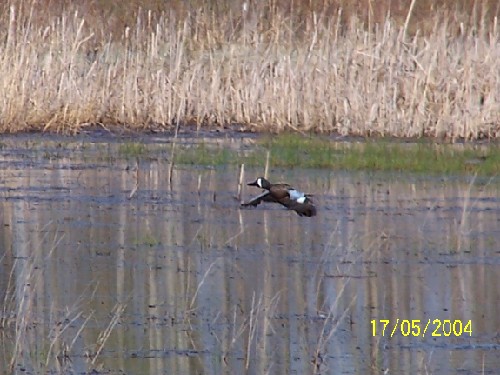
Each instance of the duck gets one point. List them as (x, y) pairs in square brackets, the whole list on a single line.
[(283, 194)]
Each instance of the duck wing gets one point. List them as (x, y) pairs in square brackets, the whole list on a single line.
[(295, 194), (303, 206), (264, 197)]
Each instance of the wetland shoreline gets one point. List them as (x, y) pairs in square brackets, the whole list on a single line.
[(286, 151)]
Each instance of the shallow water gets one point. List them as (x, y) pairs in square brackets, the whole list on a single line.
[(107, 266)]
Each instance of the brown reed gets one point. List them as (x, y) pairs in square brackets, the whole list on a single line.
[(265, 67)]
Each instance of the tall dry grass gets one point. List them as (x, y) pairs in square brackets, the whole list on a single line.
[(265, 67)]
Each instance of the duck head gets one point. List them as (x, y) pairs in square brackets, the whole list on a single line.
[(261, 182)]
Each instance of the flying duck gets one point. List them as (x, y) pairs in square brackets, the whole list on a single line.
[(283, 194)]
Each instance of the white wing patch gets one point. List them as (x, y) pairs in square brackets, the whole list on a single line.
[(296, 195), (301, 200)]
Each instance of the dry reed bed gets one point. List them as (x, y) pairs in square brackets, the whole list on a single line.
[(268, 72)]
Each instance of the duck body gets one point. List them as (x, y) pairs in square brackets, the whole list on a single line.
[(283, 194)]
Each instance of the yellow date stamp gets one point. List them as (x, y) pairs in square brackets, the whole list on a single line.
[(421, 328)]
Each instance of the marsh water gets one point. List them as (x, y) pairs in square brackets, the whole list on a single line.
[(127, 265)]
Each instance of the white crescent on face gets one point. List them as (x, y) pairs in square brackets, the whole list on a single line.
[(259, 182)]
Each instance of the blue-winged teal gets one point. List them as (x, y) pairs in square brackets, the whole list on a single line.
[(283, 194)]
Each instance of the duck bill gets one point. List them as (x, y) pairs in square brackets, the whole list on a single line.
[(254, 183)]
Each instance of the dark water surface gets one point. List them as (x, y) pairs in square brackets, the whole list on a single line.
[(107, 267)]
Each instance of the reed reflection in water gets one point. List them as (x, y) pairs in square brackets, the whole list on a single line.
[(106, 267)]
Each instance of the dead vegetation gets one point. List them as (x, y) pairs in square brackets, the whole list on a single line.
[(404, 69)]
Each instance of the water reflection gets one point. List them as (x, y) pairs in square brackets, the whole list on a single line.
[(107, 267)]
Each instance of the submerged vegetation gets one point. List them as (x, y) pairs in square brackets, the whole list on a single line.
[(132, 149), (398, 68), (289, 151)]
